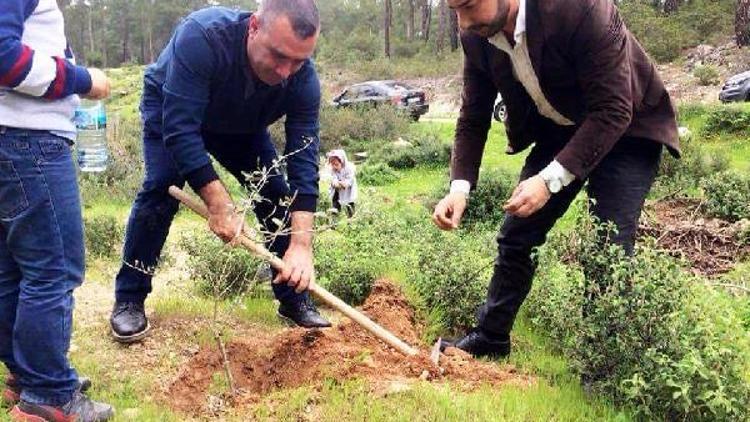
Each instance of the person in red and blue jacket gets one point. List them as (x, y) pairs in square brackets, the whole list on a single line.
[(223, 78), (41, 230)]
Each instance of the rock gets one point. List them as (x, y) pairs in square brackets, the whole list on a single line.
[(402, 143)]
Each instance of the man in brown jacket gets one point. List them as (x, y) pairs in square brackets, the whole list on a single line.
[(580, 88)]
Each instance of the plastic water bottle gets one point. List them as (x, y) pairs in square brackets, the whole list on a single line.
[(91, 145)]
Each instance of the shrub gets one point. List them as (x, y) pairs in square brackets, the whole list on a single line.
[(426, 150), (349, 259), (728, 195), (486, 202), (642, 332), (342, 126), (695, 163), (706, 74), (103, 235), (727, 119), (450, 273), (221, 271), (376, 174)]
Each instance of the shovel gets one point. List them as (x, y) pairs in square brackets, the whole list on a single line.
[(334, 302)]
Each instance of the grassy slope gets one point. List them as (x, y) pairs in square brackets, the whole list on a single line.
[(556, 396)]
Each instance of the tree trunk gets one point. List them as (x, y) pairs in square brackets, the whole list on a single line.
[(387, 27), (426, 19), (442, 26), (103, 39), (671, 6), (90, 16), (125, 33), (742, 23), (410, 20), (453, 29)]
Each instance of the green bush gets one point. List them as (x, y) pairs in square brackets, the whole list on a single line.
[(727, 195), (103, 235), (376, 174), (220, 271), (486, 201), (349, 259), (340, 127), (641, 331), (664, 36), (425, 150), (450, 273), (727, 119), (695, 163), (706, 74)]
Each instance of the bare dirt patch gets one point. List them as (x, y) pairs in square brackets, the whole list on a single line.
[(710, 245), (297, 357)]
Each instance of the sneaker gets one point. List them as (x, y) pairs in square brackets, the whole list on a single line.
[(12, 393), (480, 344), (79, 409), (129, 322), (303, 313)]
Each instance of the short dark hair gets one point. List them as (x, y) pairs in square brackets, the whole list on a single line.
[(302, 14)]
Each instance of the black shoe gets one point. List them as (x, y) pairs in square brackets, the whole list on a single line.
[(129, 322), (303, 313), (478, 344), (80, 409)]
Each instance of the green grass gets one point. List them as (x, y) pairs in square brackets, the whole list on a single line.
[(353, 400), (556, 394)]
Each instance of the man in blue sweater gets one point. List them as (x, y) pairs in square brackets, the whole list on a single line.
[(41, 231), (224, 77)]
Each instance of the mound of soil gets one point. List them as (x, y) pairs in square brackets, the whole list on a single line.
[(710, 245), (297, 357)]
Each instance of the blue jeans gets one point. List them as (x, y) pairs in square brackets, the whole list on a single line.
[(154, 209), (41, 262)]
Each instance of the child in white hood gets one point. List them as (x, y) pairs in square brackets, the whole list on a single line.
[(343, 188)]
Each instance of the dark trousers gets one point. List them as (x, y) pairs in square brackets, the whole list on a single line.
[(154, 209), (339, 206), (618, 186), (41, 262)]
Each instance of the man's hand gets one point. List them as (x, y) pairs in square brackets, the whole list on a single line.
[(528, 197), (299, 271), (225, 222), (222, 218), (100, 86), (449, 211)]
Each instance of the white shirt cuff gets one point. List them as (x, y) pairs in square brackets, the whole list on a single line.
[(555, 170), (462, 186)]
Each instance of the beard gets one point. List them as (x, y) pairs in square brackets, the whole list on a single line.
[(498, 22)]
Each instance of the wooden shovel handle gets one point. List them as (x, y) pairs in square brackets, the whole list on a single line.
[(329, 298)]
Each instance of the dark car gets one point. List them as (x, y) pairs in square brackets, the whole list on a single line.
[(375, 93), (736, 88)]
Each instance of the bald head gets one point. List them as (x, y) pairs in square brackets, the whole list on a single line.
[(302, 14)]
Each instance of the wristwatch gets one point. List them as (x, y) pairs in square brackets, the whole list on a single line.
[(554, 184)]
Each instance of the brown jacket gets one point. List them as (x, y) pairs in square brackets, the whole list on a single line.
[(590, 68)]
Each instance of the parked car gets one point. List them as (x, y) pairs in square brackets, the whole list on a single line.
[(499, 111), (375, 93), (736, 88)]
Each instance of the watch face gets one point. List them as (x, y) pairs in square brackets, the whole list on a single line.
[(554, 186)]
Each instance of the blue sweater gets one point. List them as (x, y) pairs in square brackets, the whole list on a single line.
[(37, 75), (202, 82)]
